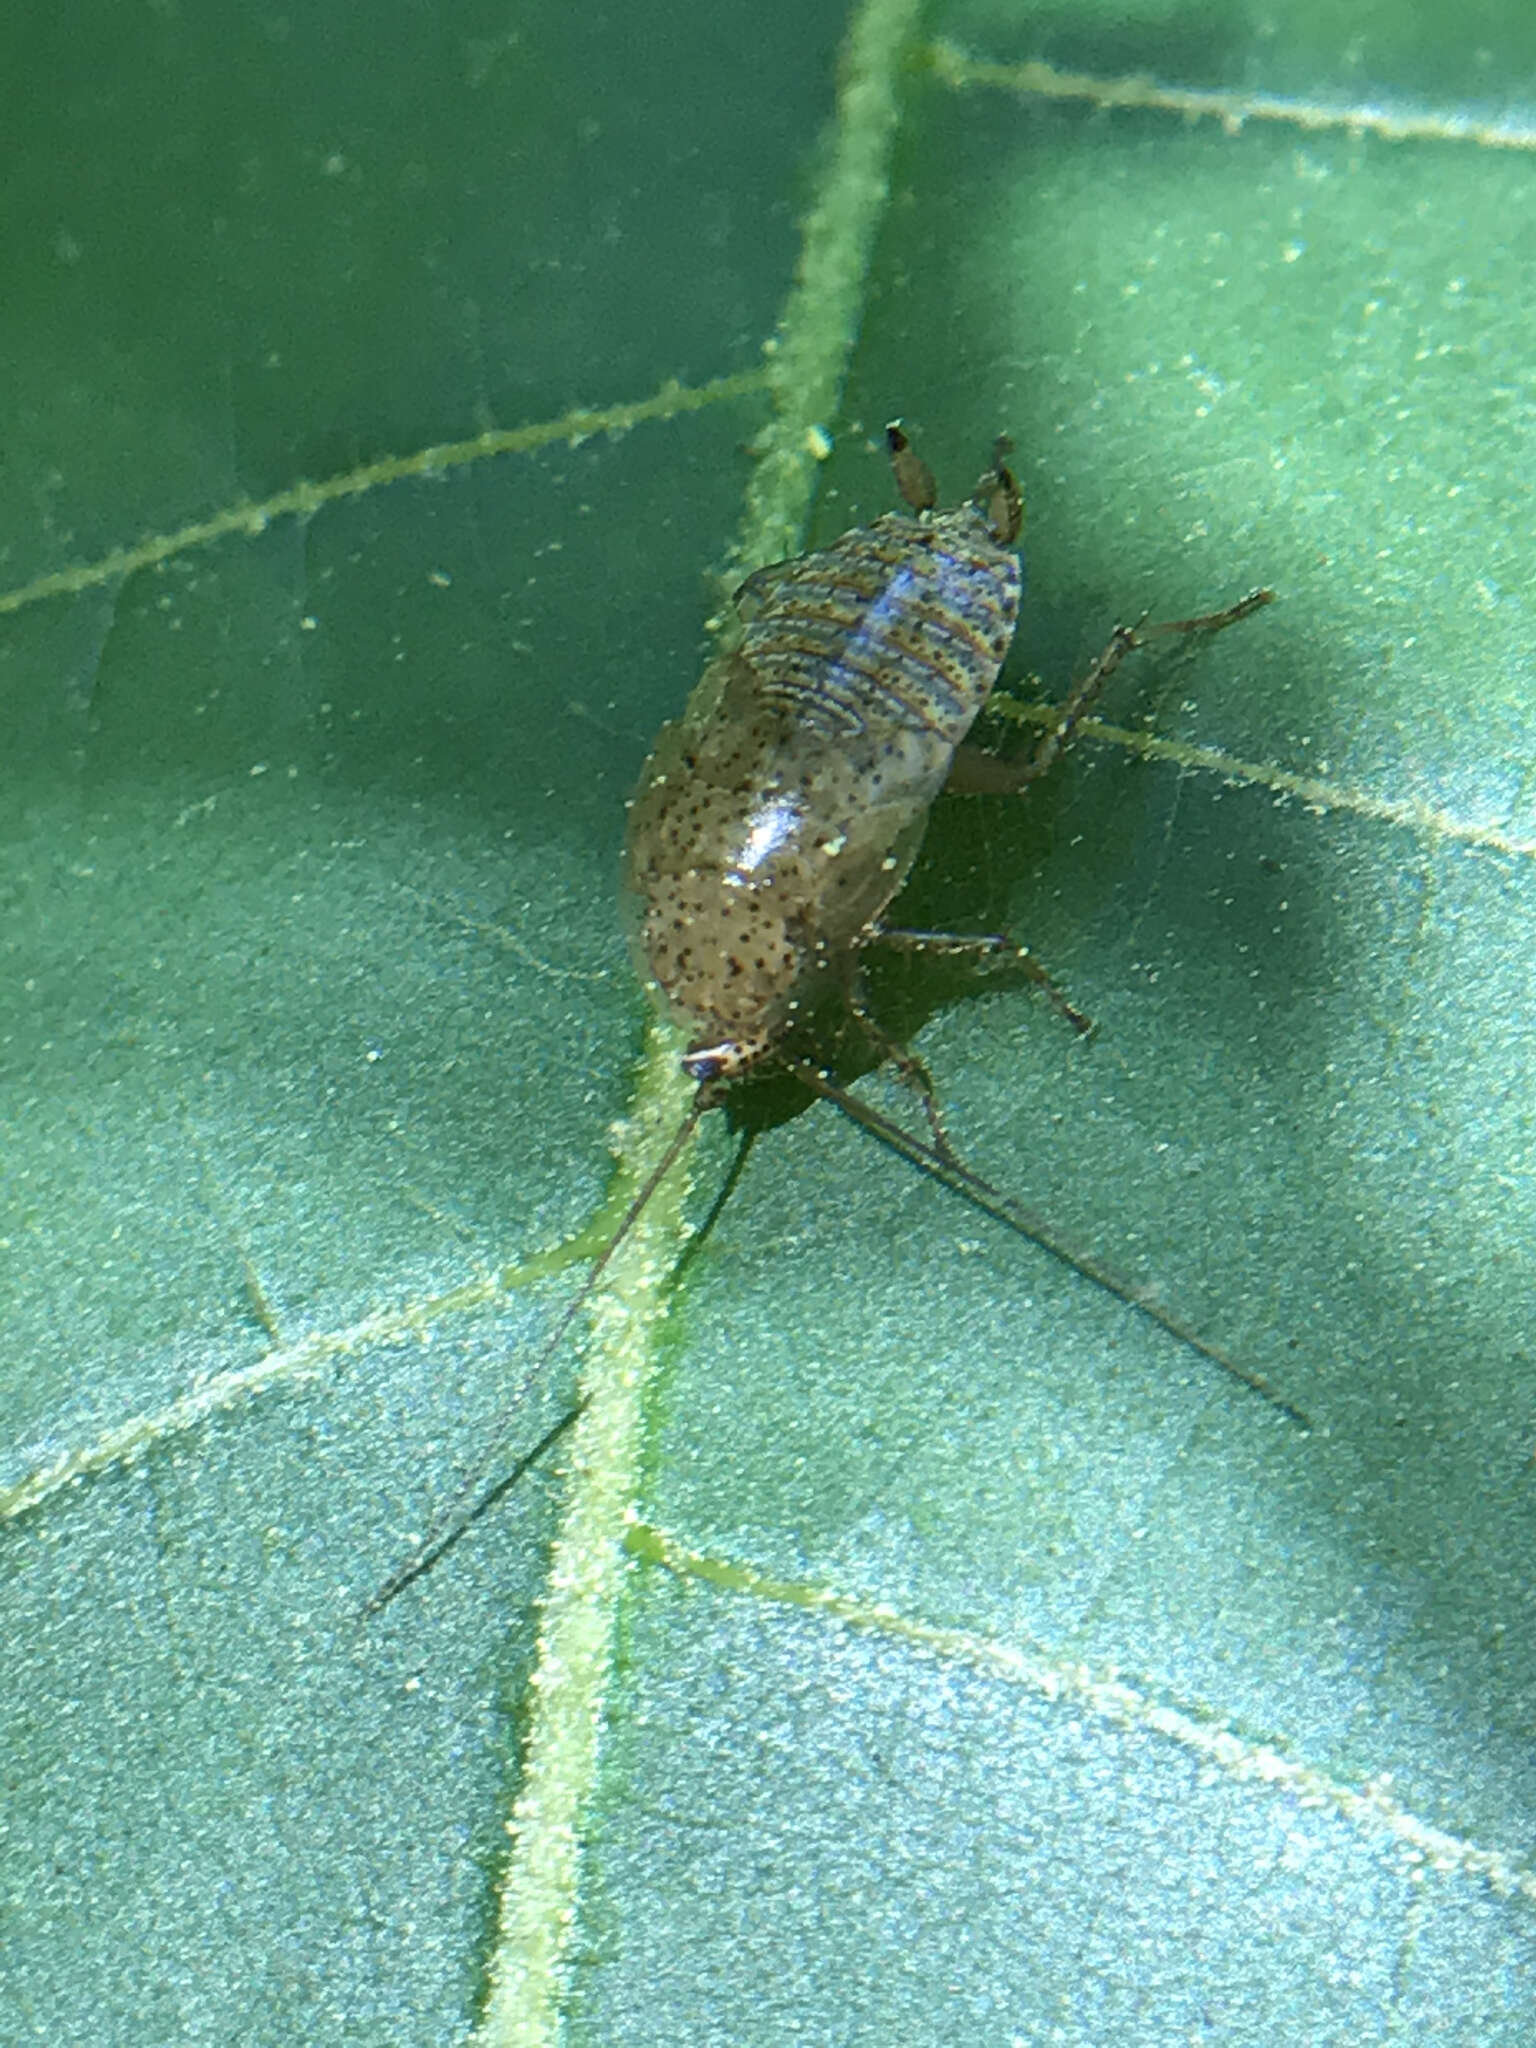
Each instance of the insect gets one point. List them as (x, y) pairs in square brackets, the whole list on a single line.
[(768, 836), (775, 822)]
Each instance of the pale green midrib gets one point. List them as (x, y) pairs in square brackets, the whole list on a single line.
[(808, 361)]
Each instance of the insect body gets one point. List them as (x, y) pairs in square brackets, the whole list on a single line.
[(776, 820), (769, 833)]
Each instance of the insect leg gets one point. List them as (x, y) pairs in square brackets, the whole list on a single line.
[(901, 1057), (1000, 944), (1211, 622), (1070, 712), (982, 772)]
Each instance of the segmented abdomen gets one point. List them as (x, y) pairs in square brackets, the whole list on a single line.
[(902, 623)]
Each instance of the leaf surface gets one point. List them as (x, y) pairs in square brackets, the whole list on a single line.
[(988, 1666)]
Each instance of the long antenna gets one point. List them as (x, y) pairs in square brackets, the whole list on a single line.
[(474, 1494), (1028, 1224)]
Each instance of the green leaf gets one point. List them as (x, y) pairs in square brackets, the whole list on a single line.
[(979, 1664)]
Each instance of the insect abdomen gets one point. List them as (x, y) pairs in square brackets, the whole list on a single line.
[(904, 623), (776, 820)]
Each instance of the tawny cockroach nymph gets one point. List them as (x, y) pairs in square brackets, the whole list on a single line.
[(774, 824), (768, 836)]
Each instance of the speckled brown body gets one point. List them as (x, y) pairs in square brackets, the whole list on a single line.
[(769, 832)]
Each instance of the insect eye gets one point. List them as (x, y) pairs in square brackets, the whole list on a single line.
[(726, 1060), (709, 1062)]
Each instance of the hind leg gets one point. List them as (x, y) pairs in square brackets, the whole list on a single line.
[(975, 771)]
